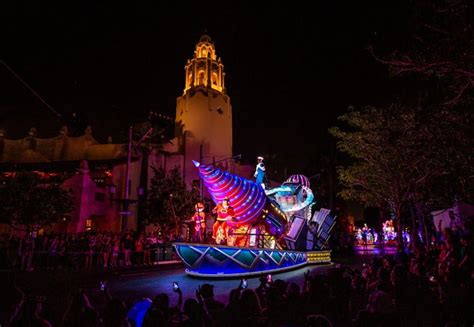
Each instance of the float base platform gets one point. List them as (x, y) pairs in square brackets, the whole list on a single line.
[(208, 260)]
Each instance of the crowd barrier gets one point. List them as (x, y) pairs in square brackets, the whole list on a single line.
[(77, 259)]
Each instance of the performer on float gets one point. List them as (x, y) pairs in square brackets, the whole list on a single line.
[(260, 172), (241, 235), (199, 220), (231, 230), (220, 229)]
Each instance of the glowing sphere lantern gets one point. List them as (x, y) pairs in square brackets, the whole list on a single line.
[(251, 204)]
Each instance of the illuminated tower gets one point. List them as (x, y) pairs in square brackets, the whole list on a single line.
[(204, 110)]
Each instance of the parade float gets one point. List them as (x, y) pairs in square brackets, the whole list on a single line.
[(258, 231)]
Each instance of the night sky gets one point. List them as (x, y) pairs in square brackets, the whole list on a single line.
[(290, 69)]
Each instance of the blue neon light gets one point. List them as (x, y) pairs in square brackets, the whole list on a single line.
[(212, 260)]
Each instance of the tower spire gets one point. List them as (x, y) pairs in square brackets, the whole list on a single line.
[(205, 69), (204, 110)]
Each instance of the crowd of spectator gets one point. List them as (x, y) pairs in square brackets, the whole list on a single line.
[(424, 286), (84, 251)]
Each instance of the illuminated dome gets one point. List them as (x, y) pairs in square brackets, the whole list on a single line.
[(300, 179), (205, 38)]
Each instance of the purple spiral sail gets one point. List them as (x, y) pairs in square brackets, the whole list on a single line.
[(246, 197)]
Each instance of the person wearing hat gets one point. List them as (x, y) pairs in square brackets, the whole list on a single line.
[(260, 172), (220, 229), (199, 222)]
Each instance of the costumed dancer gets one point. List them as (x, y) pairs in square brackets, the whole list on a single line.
[(220, 229), (199, 219), (231, 230), (260, 172)]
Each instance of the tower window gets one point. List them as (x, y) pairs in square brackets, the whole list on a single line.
[(214, 79), (220, 111), (201, 77)]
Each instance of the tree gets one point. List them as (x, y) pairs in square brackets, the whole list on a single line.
[(30, 202), (151, 135), (169, 203), (418, 155), (440, 47), (395, 153)]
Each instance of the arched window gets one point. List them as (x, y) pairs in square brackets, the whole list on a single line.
[(214, 79), (201, 76)]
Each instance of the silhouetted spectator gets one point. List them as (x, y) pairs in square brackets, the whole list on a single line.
[(214, 308)]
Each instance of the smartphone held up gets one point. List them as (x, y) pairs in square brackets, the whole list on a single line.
[(269, 279), (175, 286)]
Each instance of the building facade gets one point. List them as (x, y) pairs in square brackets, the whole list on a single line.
[(96, 172)]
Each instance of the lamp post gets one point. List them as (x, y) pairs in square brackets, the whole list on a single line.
[(140, 191), (125, 213), (126, 201)]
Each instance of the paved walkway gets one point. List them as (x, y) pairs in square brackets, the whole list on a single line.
[(134, 286)]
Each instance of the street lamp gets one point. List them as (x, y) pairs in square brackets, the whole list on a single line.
[(126, 201), (112, 188)]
